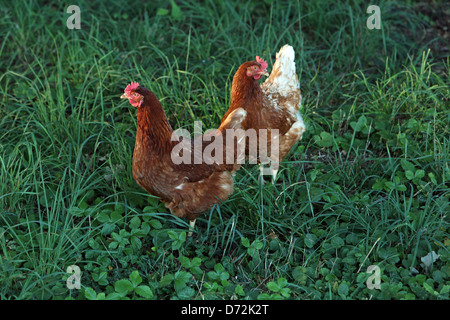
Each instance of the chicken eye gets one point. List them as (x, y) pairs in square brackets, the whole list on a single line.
[(135, 94)]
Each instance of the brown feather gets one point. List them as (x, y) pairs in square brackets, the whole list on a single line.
[(265, 111), (187, 189)]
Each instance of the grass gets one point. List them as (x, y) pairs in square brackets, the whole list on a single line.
[(367, 185)]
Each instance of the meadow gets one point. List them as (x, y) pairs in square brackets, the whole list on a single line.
[(363, 196)]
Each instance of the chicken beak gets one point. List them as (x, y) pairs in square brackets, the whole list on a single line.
[(124, 96), (265, 73)]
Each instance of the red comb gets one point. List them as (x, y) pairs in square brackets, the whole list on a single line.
[(262, 62), (131, 87)]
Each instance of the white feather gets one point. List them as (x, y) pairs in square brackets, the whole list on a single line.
[(283, 81), (180, 187)]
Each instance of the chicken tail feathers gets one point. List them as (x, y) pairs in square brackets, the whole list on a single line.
[(283, 74), (283, 79)]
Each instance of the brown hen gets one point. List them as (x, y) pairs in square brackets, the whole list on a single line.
[(193, 186), (273, 105)]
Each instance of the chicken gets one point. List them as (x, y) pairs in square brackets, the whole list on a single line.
[(273, 105), (188, 187)]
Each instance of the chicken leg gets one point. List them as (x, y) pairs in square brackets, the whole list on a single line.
[(192, 225)]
